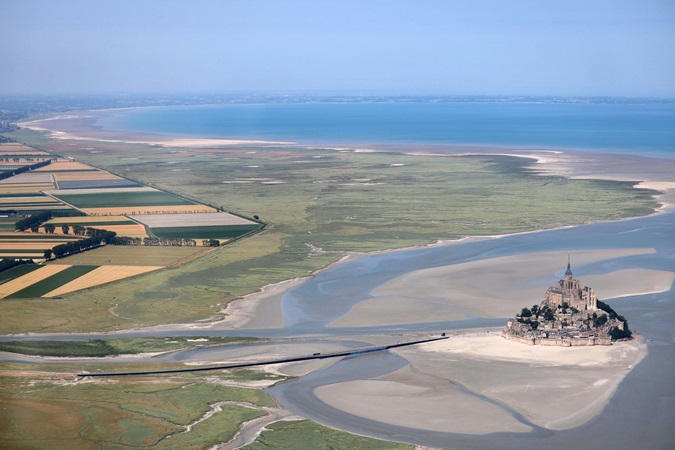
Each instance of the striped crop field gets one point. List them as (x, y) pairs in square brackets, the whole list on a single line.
[(16, 272), (24, 188), (100, 275), (28, 177), (22, 282), (26, 199), (50, 283), (65, 165)]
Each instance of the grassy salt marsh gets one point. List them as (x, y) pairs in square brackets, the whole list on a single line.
[(318, 204), (54, 411), (112, 347)]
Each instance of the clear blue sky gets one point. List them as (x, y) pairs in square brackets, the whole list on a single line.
[(483, 47)]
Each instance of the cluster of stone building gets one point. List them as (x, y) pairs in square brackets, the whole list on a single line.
[(568, 316)]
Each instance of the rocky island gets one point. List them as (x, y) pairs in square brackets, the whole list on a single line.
[(570, 315)]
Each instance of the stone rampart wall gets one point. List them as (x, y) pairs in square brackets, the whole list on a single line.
[(586, 342)]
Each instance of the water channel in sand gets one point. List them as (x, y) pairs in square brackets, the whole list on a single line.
[(640, 414)]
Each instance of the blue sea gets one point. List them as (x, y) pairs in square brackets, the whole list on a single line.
[(647, 129)]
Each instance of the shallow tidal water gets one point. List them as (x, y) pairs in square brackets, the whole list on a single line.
[(640, 415)]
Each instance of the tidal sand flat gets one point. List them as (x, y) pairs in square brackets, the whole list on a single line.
[(494, 287)]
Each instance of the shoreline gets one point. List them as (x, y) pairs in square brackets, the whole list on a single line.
[(247, 312), (653, 172)]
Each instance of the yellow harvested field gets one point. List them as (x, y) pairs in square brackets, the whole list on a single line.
[(36, 244), (28, 200), (64, 165), (10, 154), (101, 275), (85, 219), (148, 210), (129, 230), (34, 256), (9, 151), (46, 206), (29, 279), (29, 187), (75, 176)]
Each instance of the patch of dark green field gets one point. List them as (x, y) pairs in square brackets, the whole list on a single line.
[(30, 250), (204, 232), (16, 272), (115, 199), (55, 281)]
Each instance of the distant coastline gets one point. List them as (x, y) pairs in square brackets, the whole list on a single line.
[(619, 128)]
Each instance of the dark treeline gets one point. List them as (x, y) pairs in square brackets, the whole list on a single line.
[(96, 239), (154, 242), (23, 169), (8, 263), (33, 222)]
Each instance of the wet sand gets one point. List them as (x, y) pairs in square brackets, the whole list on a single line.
[(495, 287), (473, 382)]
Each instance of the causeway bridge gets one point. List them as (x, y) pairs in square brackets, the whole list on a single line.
[(358, 351)]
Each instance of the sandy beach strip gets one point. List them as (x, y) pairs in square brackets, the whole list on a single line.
[(80, 127)]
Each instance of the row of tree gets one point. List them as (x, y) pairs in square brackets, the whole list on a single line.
[(97, 238), (154, 242), (33, 222), (23, 169)]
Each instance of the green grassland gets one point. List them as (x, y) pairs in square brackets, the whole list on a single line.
[(334, 201), (306, 434), (114, 199), (57, 413), (133, 256), (204, 232), (116, 346)]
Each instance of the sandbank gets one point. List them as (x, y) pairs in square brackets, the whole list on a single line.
[(82, 127), (496, 287), (480, 383)]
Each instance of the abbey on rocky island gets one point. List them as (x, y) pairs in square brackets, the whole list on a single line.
[(569, 315)]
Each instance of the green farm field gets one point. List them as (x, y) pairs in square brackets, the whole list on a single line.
[(113, 199), (16, 272), (323, 204), (208, 232)]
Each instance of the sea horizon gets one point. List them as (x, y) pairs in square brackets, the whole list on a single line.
[(639, 129)]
